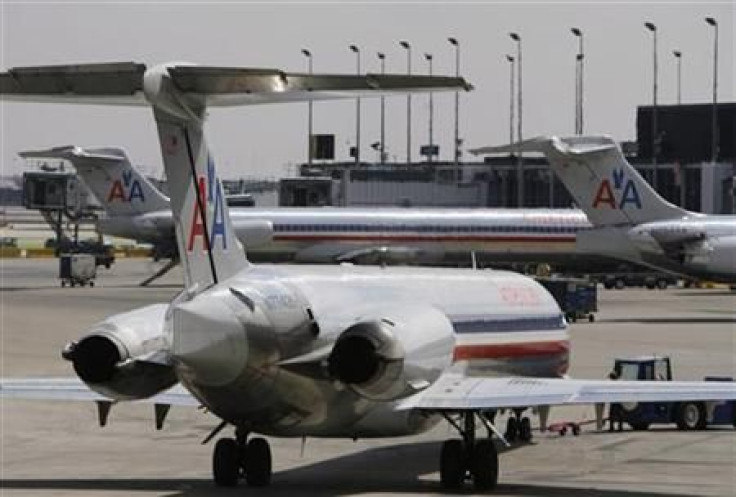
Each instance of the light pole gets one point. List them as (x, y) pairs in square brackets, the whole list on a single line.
[(519, 159), (428, 56), (382, 58), (456, 44), (579, 58), (407, 47), (678, 57), (310, 145), (651, 27), (714, 123), (356, 51), (511, 97)]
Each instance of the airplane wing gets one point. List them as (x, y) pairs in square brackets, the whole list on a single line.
[(124, 83), (455, 392), (74, 389)]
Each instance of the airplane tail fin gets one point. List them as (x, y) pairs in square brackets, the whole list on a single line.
[(207, 243), (120, 188), (604, 185), (180, 95)]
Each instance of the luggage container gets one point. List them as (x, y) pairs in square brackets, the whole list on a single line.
[(77, 269)]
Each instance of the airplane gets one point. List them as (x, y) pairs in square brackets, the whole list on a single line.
[(630, 220), (319, 351), (136, 209)]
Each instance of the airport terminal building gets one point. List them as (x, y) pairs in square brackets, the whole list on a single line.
[(686, 173)]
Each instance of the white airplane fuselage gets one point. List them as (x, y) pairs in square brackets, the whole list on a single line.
[(320, 235), (489, 323)]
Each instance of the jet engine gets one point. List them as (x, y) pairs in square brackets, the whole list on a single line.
[(121, 357), (395, 355)]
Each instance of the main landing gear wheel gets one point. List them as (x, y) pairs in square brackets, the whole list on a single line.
[(484, 465), (518, 428), (226, 462), (258, 463), (469, 458), (512, 429), (525, 429), (452, 464), (239, 458)]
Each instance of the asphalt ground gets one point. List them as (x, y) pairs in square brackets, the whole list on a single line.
[(56, 448)]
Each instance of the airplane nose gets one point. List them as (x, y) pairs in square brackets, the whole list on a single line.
[(209, 343)]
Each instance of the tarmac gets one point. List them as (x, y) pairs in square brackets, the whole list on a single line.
[(56, 448)]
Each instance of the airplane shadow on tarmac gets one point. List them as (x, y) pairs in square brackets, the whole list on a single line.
[(662, 320), (400, 469)]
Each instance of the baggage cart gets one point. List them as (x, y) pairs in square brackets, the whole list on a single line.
[(77, 269)]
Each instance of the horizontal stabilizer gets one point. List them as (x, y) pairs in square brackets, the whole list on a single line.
[(125, 83), (70, 152), (543, 144)]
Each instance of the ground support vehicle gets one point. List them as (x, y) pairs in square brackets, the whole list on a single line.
[(685, 414), (577, 297)]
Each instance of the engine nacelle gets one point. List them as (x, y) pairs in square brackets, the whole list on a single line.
[(398, 353), (115, 358)]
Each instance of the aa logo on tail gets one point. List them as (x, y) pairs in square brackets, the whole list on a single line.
[(210, 193), (126, 190), (622, 193)]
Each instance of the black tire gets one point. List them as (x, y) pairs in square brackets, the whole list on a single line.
[(576, 430), (662, 284), (620, 284), (525, 429), (91, 284), (512, 429), (639, 425), (452, 464), (591, 318), (691, 416), (258, 463), (484, 465), (226, 463)]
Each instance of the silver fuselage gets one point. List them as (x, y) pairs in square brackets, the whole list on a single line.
[(229, 349), (322, 235)]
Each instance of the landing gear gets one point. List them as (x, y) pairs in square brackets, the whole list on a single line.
[(226, 463), (518, 428), (236, 458), (469, 458)]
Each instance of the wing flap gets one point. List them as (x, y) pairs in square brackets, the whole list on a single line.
[(454, 392)]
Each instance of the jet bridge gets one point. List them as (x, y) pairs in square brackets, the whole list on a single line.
[(63, 201)]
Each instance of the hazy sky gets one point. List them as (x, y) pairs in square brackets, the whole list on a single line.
[(262, 141)]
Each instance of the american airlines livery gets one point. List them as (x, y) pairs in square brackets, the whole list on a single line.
[(630, 220), (135, 209), (318, 351)]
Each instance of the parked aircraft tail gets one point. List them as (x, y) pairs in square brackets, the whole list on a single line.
[(180, 95), (120, 188), (604, 185)]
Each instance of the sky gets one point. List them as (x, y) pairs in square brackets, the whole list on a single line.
[(267, 141)]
